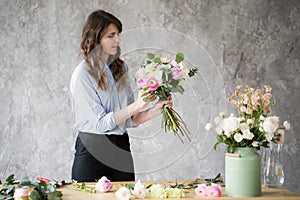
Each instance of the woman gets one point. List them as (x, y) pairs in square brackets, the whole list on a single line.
[(104, 104)]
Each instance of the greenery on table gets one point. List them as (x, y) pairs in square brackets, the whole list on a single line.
[(84, 187), (38, 190), (194, 183)]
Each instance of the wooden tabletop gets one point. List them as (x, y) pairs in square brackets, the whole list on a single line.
[(70, 192)]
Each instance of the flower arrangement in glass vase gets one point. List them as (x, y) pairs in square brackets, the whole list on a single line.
[(254, 127), (163, 76)]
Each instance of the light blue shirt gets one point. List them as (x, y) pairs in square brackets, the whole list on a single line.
[(94, 108)]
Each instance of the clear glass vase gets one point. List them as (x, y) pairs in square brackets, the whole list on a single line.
[(273, 171)]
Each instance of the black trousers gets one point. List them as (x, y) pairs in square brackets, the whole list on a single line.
[(102, 155)]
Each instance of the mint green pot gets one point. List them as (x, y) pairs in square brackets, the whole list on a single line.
[(242, 175)]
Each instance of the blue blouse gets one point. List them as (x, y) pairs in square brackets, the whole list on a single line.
[(94, 108)]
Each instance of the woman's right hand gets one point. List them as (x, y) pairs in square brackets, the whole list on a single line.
[(143, 99)]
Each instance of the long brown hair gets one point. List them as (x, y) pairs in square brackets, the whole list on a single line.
[(91, 50)]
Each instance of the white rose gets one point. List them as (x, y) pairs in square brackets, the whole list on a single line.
[(247, 134), (219, 130), (139, 190), (255, 144), (217, 120), (208, 126), (244, 127), (123, 193), (231, 124), (238, 137), (271, 124)]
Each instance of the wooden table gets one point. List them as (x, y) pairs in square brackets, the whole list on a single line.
[(70, 192)]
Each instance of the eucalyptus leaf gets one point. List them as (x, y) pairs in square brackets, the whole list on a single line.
[(179, 57), (156, 60), (151, 56), (10, 179)]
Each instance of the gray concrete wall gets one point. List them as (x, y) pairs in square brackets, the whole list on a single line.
[(233, 42)]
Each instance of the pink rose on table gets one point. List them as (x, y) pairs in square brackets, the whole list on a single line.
[(104, 184), (152, 83), (201, 190), (213, 190)]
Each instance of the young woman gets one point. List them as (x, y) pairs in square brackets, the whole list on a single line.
[(104, 104)]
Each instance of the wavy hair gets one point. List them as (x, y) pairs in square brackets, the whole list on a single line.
[(91, 50)]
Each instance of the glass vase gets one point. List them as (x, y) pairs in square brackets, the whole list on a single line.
[(273, 172), (242, 173)]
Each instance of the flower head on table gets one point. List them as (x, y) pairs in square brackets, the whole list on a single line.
[(253, 126), (163, 76), (104, 185)]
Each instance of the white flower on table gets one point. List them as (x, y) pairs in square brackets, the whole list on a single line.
[(123, 193), (139, 190)]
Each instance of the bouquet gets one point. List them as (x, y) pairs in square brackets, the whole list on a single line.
[(253, 127), (163, 76)]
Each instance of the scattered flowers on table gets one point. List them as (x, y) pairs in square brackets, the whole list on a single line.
[(163, 76), (253, 127), (138, 190), (104, 184)]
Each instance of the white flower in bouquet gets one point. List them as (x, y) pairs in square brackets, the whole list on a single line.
[(271, 124)]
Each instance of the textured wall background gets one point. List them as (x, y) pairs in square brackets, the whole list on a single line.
[(233, 42)]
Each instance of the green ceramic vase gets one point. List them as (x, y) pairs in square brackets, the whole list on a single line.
[(242, 174)]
